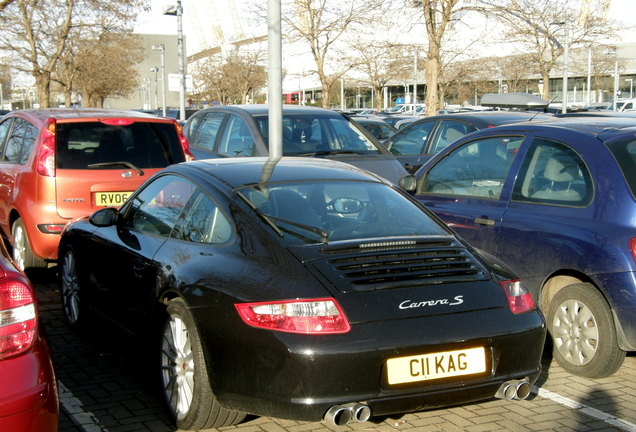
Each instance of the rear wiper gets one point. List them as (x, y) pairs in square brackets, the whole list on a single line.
[(324, 235), (124, 163)]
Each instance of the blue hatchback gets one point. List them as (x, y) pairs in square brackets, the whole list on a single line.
[(555, 201)]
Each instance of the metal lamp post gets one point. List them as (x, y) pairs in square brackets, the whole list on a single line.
[(162, 49), (178, 12), (155, 70)]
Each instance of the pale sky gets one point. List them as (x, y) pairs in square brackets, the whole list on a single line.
[(197, 38)]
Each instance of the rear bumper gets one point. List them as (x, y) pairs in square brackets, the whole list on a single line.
[(300, 377), (28, 394), (43, 245)]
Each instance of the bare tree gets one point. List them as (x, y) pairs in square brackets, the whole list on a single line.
[(36, 33), (322, 25), (381, 62), (121, 52), (540, 26), (231, 78)]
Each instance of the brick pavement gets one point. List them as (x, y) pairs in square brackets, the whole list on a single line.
[(108, 385)]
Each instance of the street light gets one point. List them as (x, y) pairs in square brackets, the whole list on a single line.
[(155, 70), (566, 43), (616, 78), (178, 12), (161, 48)]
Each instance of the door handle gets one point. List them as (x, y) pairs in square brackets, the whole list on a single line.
[(484, 221)]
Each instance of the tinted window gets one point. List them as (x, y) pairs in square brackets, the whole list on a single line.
[(380, 131), (5, 127), (203, 222), (20, 142), (411, 141), (478, 168), (448, 132), (625, 154), (319, 211), (553, 173), (156, 208), (207, 131), (317, 133), (237, 139), (96, 145)]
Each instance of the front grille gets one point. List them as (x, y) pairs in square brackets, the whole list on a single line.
[(385, 265)]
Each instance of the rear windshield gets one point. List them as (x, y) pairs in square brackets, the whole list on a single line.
[(324, 211), (95, 145), (625, 154)]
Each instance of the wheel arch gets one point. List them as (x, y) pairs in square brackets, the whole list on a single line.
[(559, 280)]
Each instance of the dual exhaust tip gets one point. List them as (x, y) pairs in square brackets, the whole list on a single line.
[(514, 389), (340, 415)]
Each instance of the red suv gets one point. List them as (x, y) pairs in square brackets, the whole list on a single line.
[(60, 164), (28, 393)]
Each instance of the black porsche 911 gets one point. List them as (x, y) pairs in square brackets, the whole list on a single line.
[(304, 289)]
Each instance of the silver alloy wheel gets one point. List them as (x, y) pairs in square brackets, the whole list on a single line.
[(575, 332), (19, 245), (177, 366), (70, 288)]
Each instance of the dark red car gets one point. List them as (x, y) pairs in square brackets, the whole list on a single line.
[(28, 390)]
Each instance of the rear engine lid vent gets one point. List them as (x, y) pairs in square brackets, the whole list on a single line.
[(381, 265)]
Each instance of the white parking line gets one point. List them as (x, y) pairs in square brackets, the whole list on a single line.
[(586, 410), (73, 407)]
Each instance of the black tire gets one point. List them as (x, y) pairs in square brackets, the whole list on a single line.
[(184, 376), (583, 332), (70, 290), (21, 250)]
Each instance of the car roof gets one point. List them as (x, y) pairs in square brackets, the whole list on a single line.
[(237, 172), (70, 113), (603, 128), (495, 118), (263, 109)]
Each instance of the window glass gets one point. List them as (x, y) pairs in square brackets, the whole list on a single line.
[(96, 145), (5, 127), (203, 222), (207, 131), (20, 142), (450, 131), (411, 141), (553, 173), (347, 137), (156, 208), (625, 154), (478, 169), (237, 138), (320, 211)]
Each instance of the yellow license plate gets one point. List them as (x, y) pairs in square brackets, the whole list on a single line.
[(436, 365), (111, 199)]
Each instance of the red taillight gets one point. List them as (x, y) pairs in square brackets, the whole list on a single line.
[(519, 299), (17, 317), (314, 316), (185, 145), (632, 247), (46, 155)]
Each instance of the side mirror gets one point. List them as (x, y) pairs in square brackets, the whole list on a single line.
[(408, 183), (105, 217)]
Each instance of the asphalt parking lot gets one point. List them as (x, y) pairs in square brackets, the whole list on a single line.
[(106, 383)]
